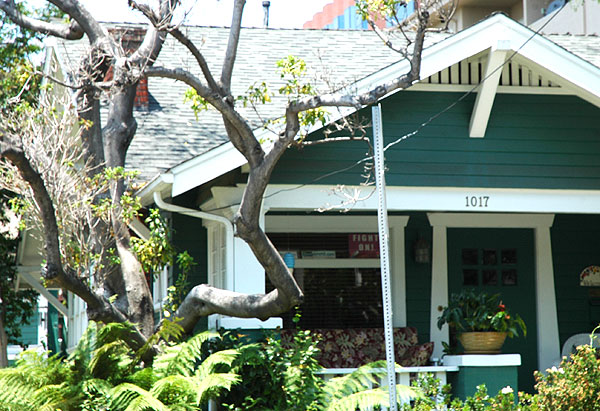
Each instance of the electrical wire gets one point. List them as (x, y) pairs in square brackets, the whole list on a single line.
[(412, 133)]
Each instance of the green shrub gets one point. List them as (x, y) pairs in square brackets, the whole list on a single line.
[(285, 377), (574, 385)]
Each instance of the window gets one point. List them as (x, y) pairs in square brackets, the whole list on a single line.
[(217, 258), (339, 274), (160, 284), (489, 267)]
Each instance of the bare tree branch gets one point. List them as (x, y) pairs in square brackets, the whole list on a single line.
[(73, 31), (83, 17), (244, 132), (234, 38), (148, 51), (183, 39), (204, 300)]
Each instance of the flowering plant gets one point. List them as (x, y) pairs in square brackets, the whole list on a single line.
[(472, 311)]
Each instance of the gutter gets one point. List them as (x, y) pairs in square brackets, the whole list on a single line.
[(229, 277)]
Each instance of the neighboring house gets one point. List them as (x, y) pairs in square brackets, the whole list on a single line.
[(45, 330), (506, 171), (576, 18)]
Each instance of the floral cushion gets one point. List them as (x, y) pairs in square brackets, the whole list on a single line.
[(416, 355), (351, 348)]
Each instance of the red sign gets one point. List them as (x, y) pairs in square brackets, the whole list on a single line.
[(363, 245)]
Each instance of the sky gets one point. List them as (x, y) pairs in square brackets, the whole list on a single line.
[(283, 13)]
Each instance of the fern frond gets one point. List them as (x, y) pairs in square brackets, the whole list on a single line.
[(363, 378), (16, 384), (16, 406), (40, 368), (369, 399), (128, 396), (97, 386), (51, 397), (182, 358), (16, 393), (175, 386), (144, 378), (363, 400), (143, 403), (82, 353), (352, 387), (170, 330), (211, 385), (209, 365), (112, 332), (109, 358)]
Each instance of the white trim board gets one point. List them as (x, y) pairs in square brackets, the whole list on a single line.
[(327, 223), (286, 197)]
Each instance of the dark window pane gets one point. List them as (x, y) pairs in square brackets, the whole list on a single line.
[(470, 256), (338, 298), (509, 277), (470, 277), (509, 256), (490, 277), (490, 257)]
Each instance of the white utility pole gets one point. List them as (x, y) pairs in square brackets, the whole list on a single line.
[(384, 234)]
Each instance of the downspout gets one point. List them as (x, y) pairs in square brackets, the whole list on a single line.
[(229, 277)]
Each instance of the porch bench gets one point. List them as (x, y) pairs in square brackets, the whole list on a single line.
[(351, 348)]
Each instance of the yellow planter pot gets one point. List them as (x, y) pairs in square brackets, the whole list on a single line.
[(486, 342)]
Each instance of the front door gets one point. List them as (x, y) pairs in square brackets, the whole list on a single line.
[(499, 261)]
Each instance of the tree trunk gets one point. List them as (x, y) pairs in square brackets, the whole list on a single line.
[(3, 343)]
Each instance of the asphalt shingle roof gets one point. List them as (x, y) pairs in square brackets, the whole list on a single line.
[(169, 134)]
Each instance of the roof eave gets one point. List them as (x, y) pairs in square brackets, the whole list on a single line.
[(583, 76)]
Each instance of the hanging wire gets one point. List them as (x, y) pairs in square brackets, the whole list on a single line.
[(410, 134)]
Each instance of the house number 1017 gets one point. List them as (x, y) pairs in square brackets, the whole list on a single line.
[(476, 201)]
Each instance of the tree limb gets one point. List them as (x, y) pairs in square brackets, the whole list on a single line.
[(204, 300), (232, 45), (183, 39), (99, 308), (244, 132), (148, 51), (83, 17), (72, 31)]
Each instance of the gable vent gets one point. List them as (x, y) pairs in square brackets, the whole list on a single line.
[(470, 72)]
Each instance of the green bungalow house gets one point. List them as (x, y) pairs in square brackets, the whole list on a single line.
[(495, 187)]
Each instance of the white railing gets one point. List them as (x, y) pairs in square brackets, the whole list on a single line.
[(404, 375)]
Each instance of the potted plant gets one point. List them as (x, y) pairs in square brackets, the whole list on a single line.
[(482, 321)]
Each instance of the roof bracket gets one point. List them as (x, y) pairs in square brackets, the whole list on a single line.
[(487, 89)]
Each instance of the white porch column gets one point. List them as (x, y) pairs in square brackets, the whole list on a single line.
[(547, 315), (398, 266), (439, 285), (248, 274)]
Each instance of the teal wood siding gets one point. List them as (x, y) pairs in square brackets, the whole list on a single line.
[(532, 141), (29, 332), (575, 246), (418, 277), (189, 235)]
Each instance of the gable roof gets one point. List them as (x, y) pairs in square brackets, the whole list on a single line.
[(168, 132), (185, 153), (573, 60)]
